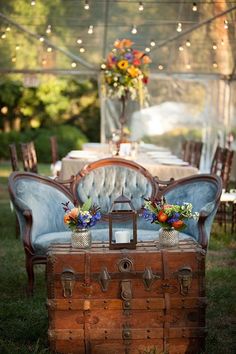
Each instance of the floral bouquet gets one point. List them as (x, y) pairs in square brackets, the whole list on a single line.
[(83, 217), (168, 215), (125, 71)]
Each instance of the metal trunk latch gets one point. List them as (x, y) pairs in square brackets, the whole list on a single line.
[(126, 294), (148, 278), (104, 278), (185, 276), (68, 282), (126, 332)]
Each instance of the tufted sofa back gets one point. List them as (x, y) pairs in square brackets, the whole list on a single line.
[(106, 179)]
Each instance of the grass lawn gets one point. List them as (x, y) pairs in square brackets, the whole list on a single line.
[(23, 324)]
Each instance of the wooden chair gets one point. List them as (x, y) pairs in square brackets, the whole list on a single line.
[(191, 152), (14, 157), (221, 166), (55, 162), (29, 157)]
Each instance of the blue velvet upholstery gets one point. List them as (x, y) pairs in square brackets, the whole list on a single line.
[(105, 184)]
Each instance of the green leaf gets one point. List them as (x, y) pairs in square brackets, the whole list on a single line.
[(87, 205)]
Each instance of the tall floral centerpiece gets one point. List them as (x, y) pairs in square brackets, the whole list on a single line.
[(126, 75)]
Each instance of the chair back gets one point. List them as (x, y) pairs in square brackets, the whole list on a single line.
[(29, 157), (203, 191), (14, 157), (222, 164), (191, 152), (105, 180), (54, 149)]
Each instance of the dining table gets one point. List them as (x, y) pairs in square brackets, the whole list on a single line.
[(158, 161)]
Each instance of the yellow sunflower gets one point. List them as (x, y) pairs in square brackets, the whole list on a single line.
[(122, 64)]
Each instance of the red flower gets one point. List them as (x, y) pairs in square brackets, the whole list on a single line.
[(145, 80)]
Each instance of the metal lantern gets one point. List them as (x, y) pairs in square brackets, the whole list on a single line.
[(122, 224)]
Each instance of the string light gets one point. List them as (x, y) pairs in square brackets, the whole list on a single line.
[(181, 48), (90, 29), (82, 49), (160, 67), (134, 30), (73, 64), (8, 28), (147, 49), (194, 8), (41, 39), (17, 47), (188, 43), (214, 46), (49, 29), (33, 3), (188, 66), (86, 5), (49, 49), (3, 35), (103, 66), (152, 43), (222, 42), (79, 41), (215, 65), (179, 27), (140, 6), (226, 24), (44, 61), (13, 59)]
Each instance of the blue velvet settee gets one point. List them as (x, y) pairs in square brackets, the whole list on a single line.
[(38, 203)]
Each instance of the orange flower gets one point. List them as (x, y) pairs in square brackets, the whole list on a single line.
[(66, 218), (137, 54), (146, 59), (109, 60), (123, 64), (124, 43), (134, 72), (74, 213)]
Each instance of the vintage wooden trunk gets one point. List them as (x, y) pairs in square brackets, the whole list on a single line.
[(147, 300)]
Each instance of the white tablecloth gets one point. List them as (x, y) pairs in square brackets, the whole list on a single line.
[(71, 166)]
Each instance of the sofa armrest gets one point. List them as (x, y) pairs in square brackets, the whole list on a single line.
[(206, 213)]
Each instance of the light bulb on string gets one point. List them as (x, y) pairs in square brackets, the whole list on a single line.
[(188, 43), (90, 29), (181, 48), (79, 41), (82, 49), (226, 24), (140, 6), (215, 65), (3, 35), (44, 61), (8, 28), (49, 29), (188, 66), (41, 39), (134, 29), (49, 49), (179, 27), (103, 66), (86, 5), (17, 47), (214, 46), (194, 7), (13, 59), (33, 3), (160, 67), (152, 43), (147, 49), (73, 64), (222, 42)]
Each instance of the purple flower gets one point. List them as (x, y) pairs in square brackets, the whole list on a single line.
[(128, 56)]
